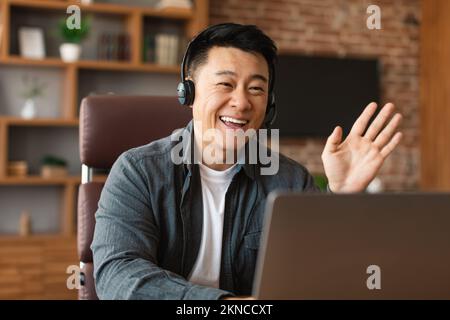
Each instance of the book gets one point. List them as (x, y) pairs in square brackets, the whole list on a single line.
[(167, 49), (174, 50), (162, 4), (149, 54), (113, 47)]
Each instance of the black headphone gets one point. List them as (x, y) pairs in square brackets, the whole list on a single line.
[(186, 88)]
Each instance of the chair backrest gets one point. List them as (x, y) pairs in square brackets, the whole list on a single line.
[(110, 125)]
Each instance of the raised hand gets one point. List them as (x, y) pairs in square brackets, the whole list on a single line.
[(352, 164)]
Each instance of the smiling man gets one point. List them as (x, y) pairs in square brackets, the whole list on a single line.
[(231, 95), (191, 230)]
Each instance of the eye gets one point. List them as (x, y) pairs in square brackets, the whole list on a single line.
[(257, 89), (225, 84)]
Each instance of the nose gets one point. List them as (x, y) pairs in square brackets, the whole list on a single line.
[(240, 100)]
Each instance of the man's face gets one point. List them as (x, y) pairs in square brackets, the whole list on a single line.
[(231, 92)]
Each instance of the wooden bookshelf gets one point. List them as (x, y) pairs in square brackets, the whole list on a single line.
[(34, 267), (34, 237), (4, 16), (36, 180), (18, 61), (96, 178), (124, 66), (39, 122), (107, 8), (3, 149), (134, 21), (92, 65)]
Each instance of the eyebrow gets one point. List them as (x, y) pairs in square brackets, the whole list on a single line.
[(232, 73)]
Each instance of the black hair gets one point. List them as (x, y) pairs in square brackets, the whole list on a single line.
[(248, 38)]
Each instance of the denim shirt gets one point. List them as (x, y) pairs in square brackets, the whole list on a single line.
[(149, 225)]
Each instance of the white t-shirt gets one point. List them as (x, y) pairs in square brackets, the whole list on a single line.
[(215, 184)]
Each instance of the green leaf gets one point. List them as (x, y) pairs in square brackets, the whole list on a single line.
[(53, 161), (75, 35), (321, 181)]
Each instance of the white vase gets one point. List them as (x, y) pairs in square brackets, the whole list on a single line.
[(70, 52), (29, 109)]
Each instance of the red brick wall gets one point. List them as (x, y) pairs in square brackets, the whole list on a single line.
[(338, 28)]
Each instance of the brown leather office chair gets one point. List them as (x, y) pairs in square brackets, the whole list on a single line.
[(110, 125)]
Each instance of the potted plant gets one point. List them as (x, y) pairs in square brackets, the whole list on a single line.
[(33, 89), (321, 181), (70, 50), (53, 166)]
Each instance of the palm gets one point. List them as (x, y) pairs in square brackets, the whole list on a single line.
[(352, 164)]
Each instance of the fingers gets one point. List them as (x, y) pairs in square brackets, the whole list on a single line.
[(379, 122), (334, 140), (360, 124), (387, 133), (391, 145)]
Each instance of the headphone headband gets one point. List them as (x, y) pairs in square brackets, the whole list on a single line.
[(185, 56)]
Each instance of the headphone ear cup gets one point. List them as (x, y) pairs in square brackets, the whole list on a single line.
[(190, 96), (186, 92), (271, 112), (181, 93)]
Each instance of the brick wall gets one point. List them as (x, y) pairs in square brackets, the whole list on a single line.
[(338, 28)]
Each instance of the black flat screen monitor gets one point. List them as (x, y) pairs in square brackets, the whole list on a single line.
[(315, 94)]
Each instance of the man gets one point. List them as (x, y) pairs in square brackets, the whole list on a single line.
[(167, 230)]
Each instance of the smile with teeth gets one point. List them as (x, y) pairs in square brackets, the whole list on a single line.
[(233, 121)]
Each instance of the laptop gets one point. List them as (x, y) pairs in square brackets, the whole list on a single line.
[(355, 246)]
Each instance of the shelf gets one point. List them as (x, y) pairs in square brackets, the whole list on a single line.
[(167, 13), (39, 122), (125, 66), (91, 65), (96, 178), (47, 62), (36, 237), (35, 180), (40, 181)]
